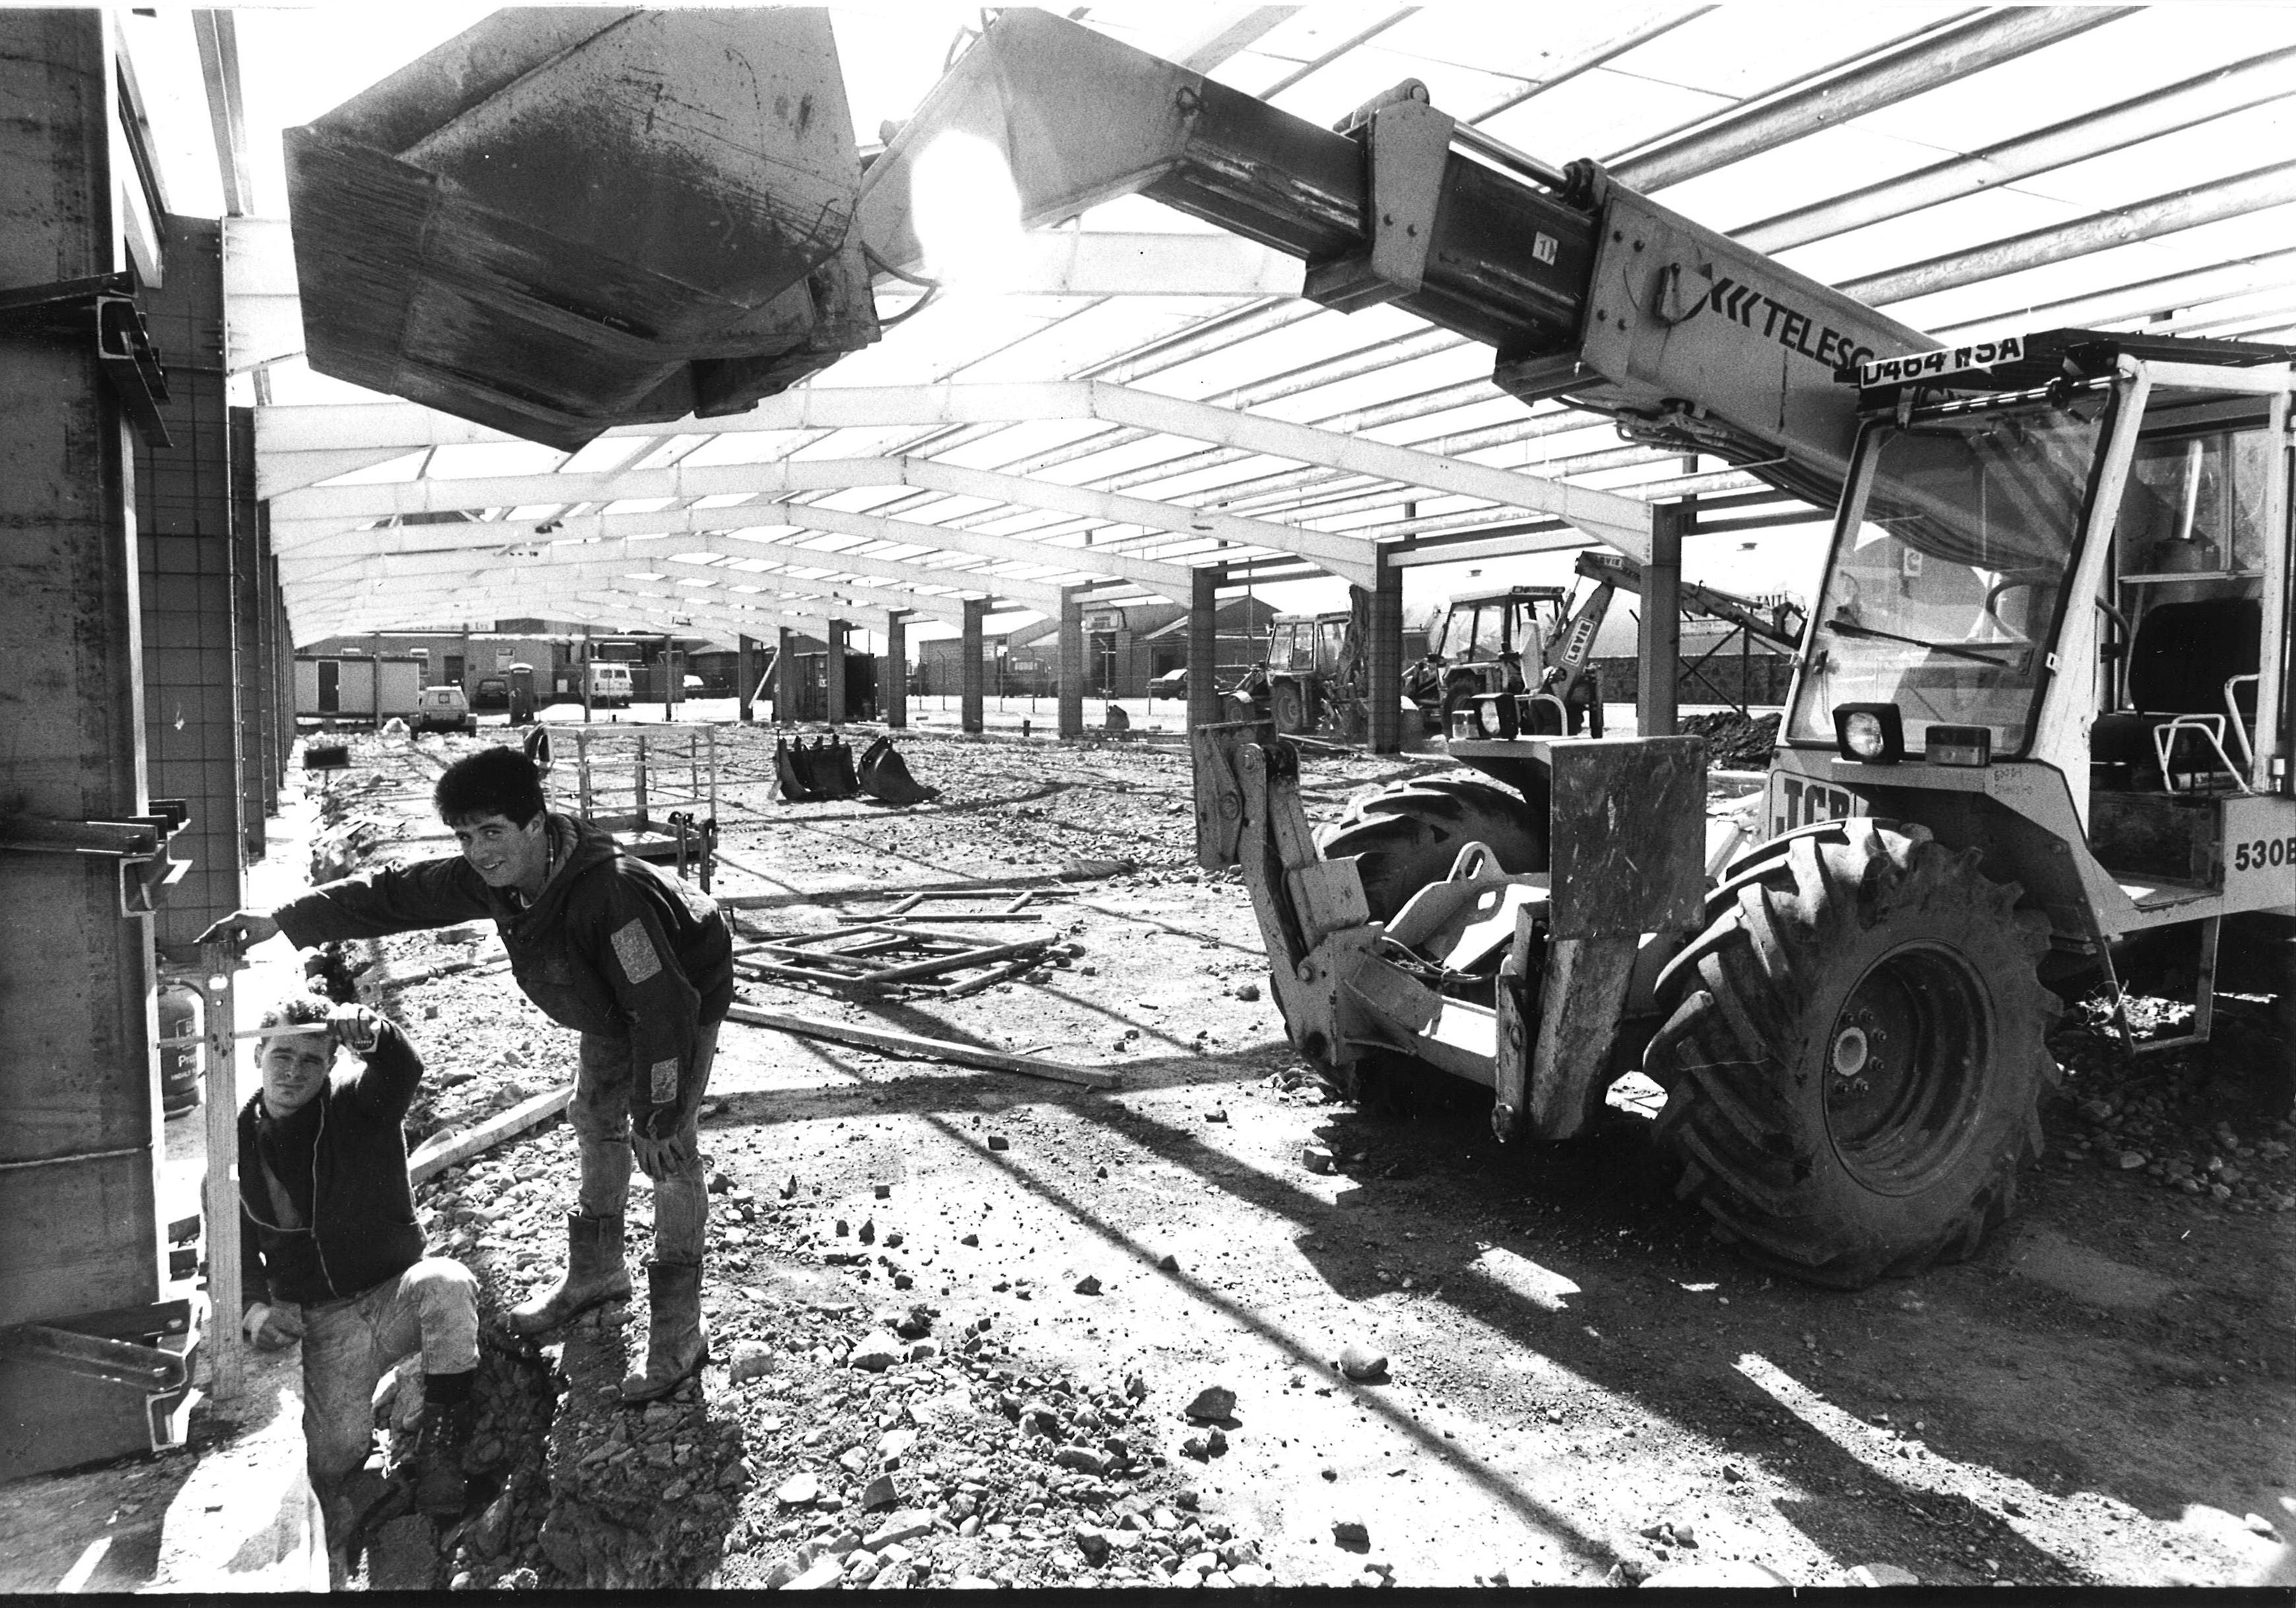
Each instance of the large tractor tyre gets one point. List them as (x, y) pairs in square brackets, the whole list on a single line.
[(1407, 836), (1287, 707), (1855, 1052)]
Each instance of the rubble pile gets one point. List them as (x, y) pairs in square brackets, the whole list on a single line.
[(886, 1455), (827, 1443), (1734, 740), (2212, 1122)]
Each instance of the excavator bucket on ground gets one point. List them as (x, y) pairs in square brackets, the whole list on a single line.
[(795, 788), (568, 218), (833, 767), (884, 776)]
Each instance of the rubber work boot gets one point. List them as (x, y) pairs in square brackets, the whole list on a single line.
[(439, 1447), (676, 1345), (595, 1273)]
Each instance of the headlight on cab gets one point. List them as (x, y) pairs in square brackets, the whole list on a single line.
[(1872, 734)]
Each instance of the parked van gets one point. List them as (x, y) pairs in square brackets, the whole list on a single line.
[(609, 685), (443, 709)]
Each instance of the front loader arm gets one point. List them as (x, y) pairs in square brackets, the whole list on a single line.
[(1586, 289), (1311, 911)]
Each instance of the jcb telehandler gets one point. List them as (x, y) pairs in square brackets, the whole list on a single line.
[(2041, 716), (2040, 725)]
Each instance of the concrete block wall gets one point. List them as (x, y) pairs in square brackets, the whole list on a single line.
[(185, 546)]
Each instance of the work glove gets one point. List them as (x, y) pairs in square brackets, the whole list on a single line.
[(242, 929), (272, 1328), (656, 1143)]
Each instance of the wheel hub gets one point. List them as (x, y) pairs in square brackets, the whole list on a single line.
[(1852, 1048), (1902, 1064)]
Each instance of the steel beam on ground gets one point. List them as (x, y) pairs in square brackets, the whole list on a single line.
[(970, 646)]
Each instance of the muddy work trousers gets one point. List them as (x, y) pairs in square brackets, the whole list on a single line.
[(350, 1344), (601, 1117)]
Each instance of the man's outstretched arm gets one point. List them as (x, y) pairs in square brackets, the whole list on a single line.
[(434, 893)]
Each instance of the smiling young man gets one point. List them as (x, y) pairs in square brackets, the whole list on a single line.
[(331, 1253), (641, 965)]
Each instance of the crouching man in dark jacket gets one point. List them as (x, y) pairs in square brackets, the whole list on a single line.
[(640, 964), (331, 1253)]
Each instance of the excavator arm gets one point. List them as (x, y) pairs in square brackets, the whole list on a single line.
[(1586, 289)]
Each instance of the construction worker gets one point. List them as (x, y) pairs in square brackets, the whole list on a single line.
[(331, 1253), (636, 961)]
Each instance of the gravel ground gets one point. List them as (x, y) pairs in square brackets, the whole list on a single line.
[(960, 1319)]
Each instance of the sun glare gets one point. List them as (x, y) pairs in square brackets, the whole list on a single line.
[(967, 211)]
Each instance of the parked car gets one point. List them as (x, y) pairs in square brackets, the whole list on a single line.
[(443, 709), (1171, 683), (493, 693)]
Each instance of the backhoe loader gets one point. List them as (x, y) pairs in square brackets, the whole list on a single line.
[(2039, 728)]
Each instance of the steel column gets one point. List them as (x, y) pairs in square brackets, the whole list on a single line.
[(969, 651), (1072, 651), (787, 689), (896, 694), (78, 1088), (1659, 648), (283, 664), (247, 632), (833, 671), (745, 676), (1383, 685), (277, 714), (1203, 648)]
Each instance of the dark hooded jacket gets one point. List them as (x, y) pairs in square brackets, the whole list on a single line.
[(362, 1228), (611, 946)]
